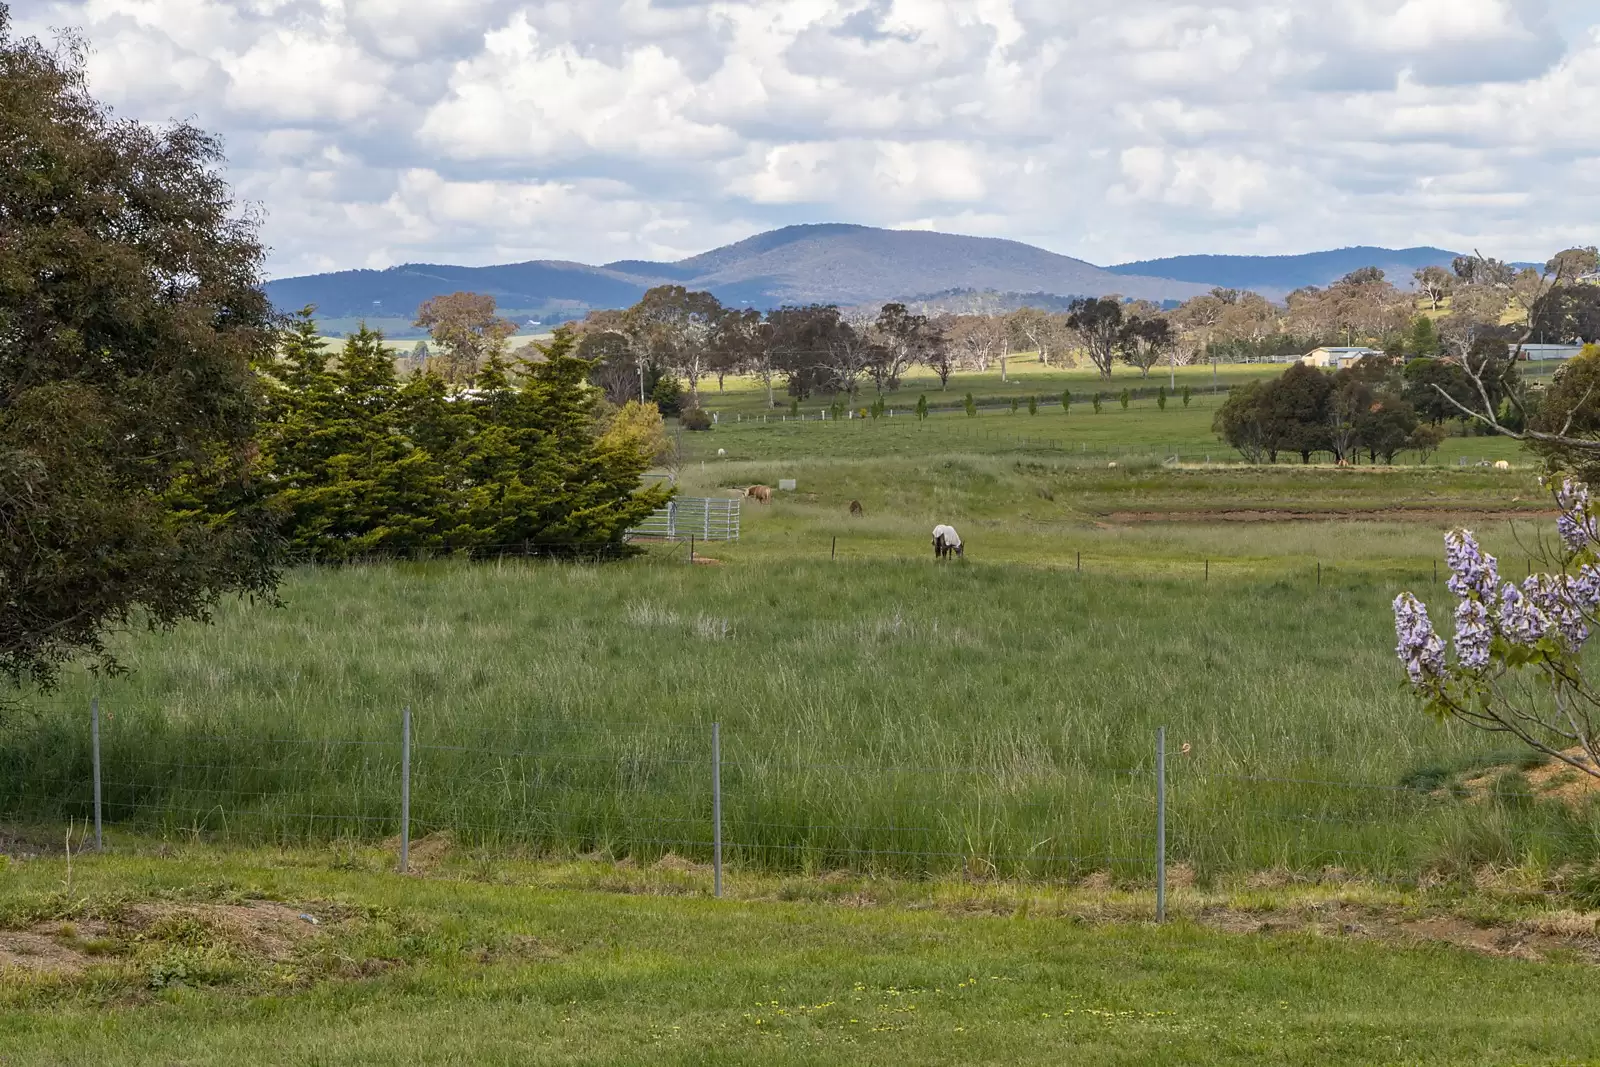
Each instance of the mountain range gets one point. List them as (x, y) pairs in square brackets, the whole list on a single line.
[(831, 263), (1274, 276)]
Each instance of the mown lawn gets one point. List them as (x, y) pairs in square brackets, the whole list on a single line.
[(404, 970)]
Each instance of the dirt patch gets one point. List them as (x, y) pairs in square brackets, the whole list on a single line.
[(1269, 879), (1568, 932), (25, 845), (1428, 515), (40, 952), (1563, 782), (1553, 780), (260, 929), (424, 853)]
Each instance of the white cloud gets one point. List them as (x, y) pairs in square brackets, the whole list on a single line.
[(523, 98), (376, 131), (299, 76), (894, 174)]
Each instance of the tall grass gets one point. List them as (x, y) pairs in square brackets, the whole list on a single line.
[(878, 714)]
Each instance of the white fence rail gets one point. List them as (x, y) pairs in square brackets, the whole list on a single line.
[(703, 518)]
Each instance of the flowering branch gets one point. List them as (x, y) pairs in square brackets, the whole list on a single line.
[(1528, 638)]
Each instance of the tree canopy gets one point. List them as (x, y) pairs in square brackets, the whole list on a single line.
[(362, 463), (1355, 410), (131, 314)]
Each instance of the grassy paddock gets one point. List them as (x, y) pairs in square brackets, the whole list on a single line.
[(875, 714), (1143, 433), (1134, 520), (449, 971), (878, 712)]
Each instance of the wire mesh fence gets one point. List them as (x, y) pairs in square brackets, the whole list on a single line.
[(741, 798)]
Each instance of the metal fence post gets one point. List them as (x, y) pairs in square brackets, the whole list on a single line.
[(94, 734), (1161, 824), (716, 809), (405, 788)]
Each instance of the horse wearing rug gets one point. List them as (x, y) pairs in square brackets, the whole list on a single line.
[(946, 542)]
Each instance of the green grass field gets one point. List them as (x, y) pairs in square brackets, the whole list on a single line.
[(201, 957), (938, 784), (879, 712)]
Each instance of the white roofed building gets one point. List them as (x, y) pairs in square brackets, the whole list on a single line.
[(1337, 357)]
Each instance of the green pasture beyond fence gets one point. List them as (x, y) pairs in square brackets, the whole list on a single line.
[(743, 799), (883, 716), (1142, 433)]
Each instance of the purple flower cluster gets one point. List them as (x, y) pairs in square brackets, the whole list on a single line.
[(1584, 588), (1577, 523), (1420, 648), (1521, 620), (1473, 571), (1472, 634), (1554, 607), (1564, 604)]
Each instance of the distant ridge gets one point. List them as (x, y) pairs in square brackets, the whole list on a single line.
[(829, 263), (1275, 276)]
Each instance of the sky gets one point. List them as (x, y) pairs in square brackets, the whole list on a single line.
[(375, 132)]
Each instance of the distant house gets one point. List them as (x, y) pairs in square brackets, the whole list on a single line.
[(1550, 351), (1337, 357)]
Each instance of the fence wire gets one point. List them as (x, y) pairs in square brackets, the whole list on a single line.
[(627, 791)]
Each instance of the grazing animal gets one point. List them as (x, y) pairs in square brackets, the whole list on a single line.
[(1501, 465), (722, 451), (762, 494), (855, 508), (946, 542)]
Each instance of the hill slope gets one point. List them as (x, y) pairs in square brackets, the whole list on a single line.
[(538, 286), (829, 263), (1276, 275)]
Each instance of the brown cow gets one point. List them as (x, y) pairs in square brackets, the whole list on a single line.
[(855, 508), (761, 493)]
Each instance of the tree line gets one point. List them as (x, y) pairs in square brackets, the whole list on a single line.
[(511, 454), (669, 345), (1461, 366)]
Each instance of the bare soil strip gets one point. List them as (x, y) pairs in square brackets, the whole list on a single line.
[(1441, 517)]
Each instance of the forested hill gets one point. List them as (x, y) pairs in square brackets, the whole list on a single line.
[(829, 263), (1273, 276)]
